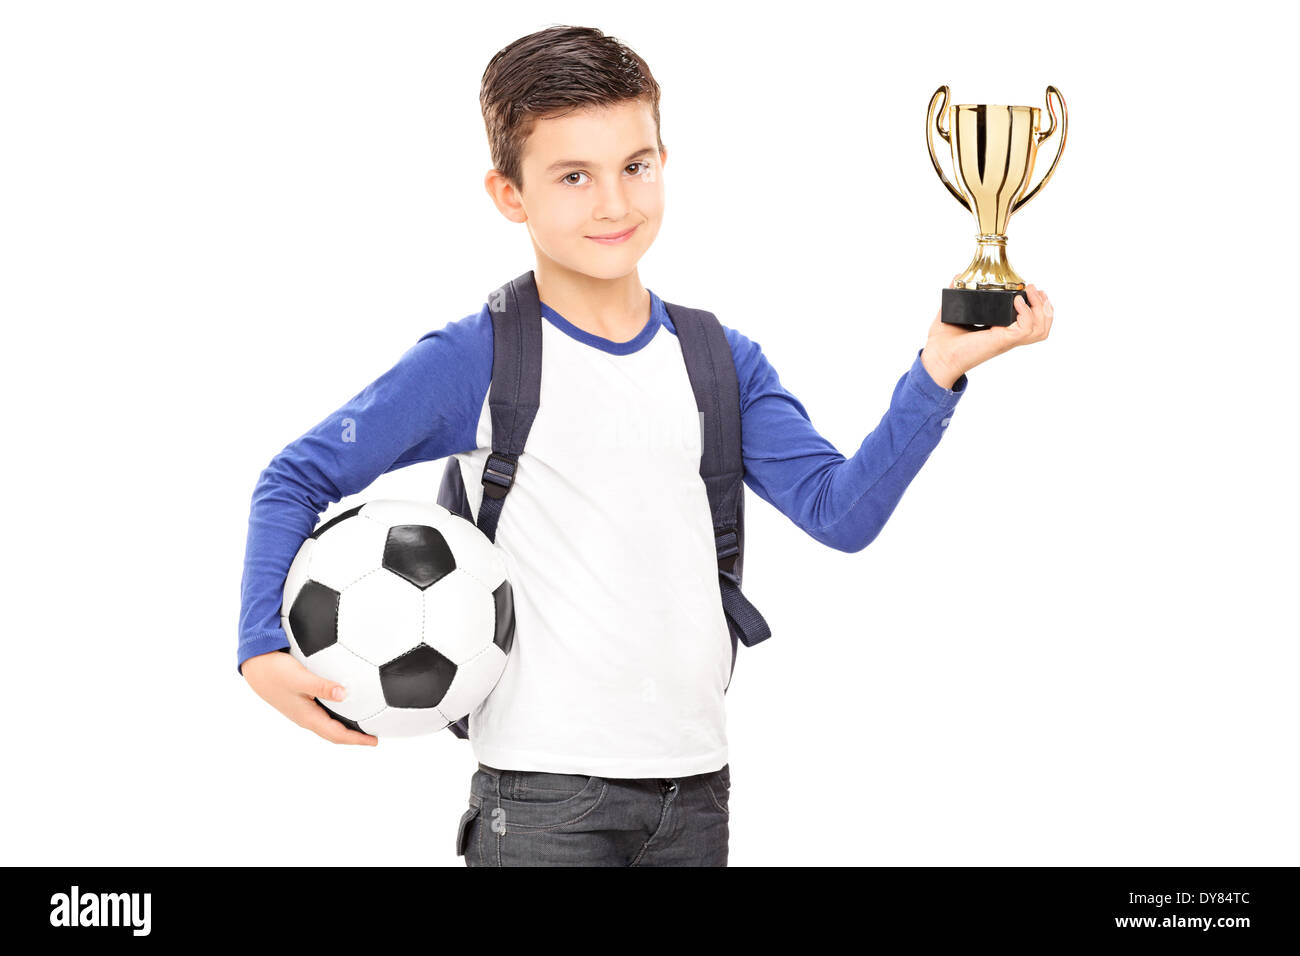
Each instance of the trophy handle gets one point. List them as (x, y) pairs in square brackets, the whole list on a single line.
[(1060, 147), (937, 120)]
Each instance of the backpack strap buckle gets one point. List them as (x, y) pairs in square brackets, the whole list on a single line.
[(727, 543), (499, 474)]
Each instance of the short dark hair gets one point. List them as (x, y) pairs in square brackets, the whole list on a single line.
[(549, 73)]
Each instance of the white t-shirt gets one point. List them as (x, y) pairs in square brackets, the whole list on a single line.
[(622, 652)]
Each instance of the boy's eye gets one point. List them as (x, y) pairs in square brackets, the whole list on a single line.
[(567, 180)]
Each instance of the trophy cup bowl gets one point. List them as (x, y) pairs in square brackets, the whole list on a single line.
[(993, 152)]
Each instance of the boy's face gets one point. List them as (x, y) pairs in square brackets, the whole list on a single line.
[(591, 172)]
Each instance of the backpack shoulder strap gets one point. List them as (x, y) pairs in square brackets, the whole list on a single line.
[(712, 371), (513, 399), (515, 391)]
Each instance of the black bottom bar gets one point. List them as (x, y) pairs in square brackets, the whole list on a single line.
[(979, 308)]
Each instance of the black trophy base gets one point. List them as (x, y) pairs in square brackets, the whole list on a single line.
[(979, 308)]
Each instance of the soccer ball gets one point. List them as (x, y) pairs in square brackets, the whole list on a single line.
[(406, 605)]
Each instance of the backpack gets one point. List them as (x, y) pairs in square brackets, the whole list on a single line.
[(513, 400)]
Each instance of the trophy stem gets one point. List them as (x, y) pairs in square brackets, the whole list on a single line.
[(983, 295), (990, 268)]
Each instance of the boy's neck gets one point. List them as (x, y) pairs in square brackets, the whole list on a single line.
[(614, 309)]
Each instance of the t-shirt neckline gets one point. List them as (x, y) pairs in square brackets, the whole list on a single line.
[(606, 345)]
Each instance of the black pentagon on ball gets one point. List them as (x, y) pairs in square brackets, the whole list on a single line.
[(419, 678), (505, 602), (350, 724), (418, 553), (314, 617)]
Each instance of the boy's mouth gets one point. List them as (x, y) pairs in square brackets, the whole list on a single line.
[(613, 238)]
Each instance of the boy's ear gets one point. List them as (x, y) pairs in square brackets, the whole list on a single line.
[(504, 196)]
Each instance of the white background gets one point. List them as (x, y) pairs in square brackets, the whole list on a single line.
[(1072, 644)]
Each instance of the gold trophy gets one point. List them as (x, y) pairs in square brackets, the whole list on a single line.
[(993, 152)]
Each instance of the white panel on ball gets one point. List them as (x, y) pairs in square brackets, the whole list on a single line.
[(460, 617), (405, 722), (388, 512), (474, 552), (355, 548), (473, 682), (381, 616)]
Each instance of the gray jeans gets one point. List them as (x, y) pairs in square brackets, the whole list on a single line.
[(530, 818)]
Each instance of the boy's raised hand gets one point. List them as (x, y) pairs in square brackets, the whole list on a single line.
[(952, 350), (282, 681)]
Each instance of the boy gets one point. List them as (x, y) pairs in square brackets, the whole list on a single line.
[(603, 743)]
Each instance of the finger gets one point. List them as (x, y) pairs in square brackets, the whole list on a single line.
[(1041, 310), (1048, 315), (1039, 319), (313, 685), (320, 722), (1023, 315), (1030, 320)]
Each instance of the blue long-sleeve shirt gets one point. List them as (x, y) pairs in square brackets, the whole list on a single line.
[(428, 406)]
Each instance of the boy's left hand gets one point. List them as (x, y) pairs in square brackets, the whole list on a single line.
[(952, 350)]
